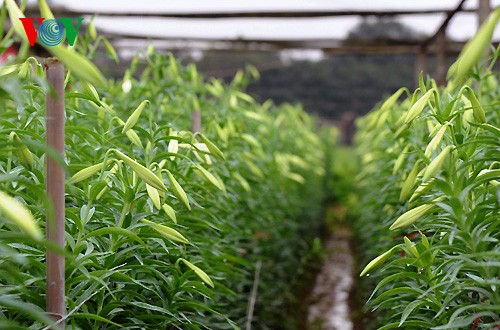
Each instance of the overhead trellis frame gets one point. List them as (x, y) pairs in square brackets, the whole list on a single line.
[(437, 43)]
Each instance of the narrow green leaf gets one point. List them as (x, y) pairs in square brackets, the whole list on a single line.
[(114, 231), (89, 316)]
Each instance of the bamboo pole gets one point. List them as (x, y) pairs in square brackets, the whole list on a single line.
[(196, 120), (55, 190), (483, 11), (253, 296)]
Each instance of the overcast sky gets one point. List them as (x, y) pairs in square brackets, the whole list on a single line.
[(462, 27)]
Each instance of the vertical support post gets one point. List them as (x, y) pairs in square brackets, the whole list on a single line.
[(347, 127), (196, 120), (419, 63), (55, 189), (253, 296), (483, 11), (441, 58)]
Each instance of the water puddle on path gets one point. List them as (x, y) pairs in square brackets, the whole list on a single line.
[(329, 302)]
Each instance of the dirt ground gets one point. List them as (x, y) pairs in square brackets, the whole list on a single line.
[(329, 302)]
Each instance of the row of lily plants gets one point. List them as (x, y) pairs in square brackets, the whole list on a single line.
[(430, 194), (164, 225)]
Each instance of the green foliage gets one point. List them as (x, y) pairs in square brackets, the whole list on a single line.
[(430, 174)]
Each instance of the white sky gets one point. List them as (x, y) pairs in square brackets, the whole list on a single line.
[(462, 27)]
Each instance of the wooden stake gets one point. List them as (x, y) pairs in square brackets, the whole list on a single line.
[(55, 189), (196, 120), (483, 11), (253, 296)]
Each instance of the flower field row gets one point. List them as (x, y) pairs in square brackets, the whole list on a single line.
[(430, 194), (164, 224)]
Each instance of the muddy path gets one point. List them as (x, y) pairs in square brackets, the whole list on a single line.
[(331, 299)]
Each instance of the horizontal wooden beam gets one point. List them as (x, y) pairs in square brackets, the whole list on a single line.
[(327, 46), (310, 43), (386, 50), (242, 14), (286, 43)]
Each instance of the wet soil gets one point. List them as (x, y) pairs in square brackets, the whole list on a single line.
[(331, 300)]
